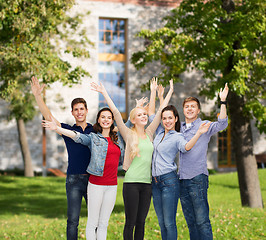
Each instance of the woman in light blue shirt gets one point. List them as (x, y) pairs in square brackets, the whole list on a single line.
[(165, 184)]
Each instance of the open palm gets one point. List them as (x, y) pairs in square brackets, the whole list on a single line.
[(153, 84), (203, 128), (97, 87), (51, 125), (223, 93), (36, 88)]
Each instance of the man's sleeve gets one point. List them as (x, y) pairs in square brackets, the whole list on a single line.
[(218, 126)]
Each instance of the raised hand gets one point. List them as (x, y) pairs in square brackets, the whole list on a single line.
[(101, 89), (203, 128), (153, 84), (36, 88), (98, 87), (141, 102), (160, 91), (51, 125), (223, 93)]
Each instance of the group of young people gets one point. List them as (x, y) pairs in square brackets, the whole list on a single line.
[(95, 152)]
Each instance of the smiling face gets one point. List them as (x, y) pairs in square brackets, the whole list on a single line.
[(169, 120), (79, 112), (191, 111), (105, 119), (138, 116)]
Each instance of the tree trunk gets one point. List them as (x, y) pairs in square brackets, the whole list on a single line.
[(242, 144), (28, 169)]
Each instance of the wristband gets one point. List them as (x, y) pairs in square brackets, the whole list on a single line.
[(223, 102)]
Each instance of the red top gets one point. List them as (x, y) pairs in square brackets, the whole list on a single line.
[(110, 168)]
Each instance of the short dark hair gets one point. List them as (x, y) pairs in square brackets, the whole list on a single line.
[(188, 99), (78, 100), (175, 112)]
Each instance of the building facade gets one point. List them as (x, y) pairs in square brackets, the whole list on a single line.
[(112, 26)]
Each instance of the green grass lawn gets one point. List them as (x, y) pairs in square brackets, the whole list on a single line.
[(35, 208)]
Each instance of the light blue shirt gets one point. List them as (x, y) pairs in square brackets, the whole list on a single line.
[(165, 150), (194, 162)]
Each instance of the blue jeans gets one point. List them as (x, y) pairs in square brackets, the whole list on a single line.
[(165, 192), (194, 201), (76, 188)]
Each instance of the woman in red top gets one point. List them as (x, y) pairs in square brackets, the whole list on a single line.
[(102, 189)]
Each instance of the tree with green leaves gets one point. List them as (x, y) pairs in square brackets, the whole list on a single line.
[(33, 36), (225, 41)]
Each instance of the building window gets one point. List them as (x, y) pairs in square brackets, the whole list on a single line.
[(112, 61), (225, 157)]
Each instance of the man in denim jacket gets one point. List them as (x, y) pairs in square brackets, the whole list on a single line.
[(78, 157), (193, 170)]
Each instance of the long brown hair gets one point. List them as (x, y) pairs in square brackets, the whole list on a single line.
[(175, 112), (97, 127)]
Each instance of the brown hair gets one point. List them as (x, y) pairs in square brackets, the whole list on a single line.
[(175, 112), (78, 100), (97, 127), (188, 99)]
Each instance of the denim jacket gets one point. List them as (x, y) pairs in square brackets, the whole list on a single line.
[(98, 145)]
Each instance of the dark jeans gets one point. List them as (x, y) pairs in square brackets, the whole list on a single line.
[(194, 201), (165, 193), (137, 199), (76, 188)]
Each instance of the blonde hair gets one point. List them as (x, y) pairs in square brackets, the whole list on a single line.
[(134, 143)]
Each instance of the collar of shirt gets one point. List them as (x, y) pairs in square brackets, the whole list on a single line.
[(162, 130), (194, 123), (75, 126)]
